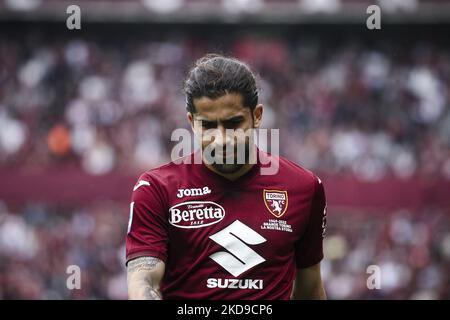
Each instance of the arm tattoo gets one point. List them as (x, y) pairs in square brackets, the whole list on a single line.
[(143, 263), (147, 290)]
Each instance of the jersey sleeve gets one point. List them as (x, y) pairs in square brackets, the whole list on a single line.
[(309, 249), (147, 233)]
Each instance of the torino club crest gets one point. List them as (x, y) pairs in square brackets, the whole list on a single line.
[(276, 201)]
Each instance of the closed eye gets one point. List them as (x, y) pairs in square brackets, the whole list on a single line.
[(208, 124), (232, 124)]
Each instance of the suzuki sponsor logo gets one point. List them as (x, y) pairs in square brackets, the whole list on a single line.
[(192, 192), (196, 214), (256, 284), (239, 257)]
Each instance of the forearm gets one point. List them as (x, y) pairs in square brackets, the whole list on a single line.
[(315, 293), (143, 290), (308, 284), (143, 276)]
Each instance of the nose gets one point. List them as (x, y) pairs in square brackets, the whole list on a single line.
[(221, 138)]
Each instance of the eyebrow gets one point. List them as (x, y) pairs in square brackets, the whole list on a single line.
[(232, 119)]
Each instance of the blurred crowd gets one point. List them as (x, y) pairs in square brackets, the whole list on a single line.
[(237, 6), (48, 240), (104, 104), (411, 252), (388, 255)]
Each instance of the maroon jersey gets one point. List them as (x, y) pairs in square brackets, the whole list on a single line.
[(222, 239)]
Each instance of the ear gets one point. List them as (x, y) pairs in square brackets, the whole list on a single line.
[(190, 118), (257, 115)]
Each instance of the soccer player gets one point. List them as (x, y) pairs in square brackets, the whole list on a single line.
[(224, 230)]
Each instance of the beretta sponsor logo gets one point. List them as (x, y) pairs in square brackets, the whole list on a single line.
[(196, 214)]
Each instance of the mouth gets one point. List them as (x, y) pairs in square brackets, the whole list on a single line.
[(226, 155)]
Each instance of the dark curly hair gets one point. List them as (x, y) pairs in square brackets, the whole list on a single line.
[(215, 75)]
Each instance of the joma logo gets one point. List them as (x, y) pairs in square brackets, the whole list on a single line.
[(192, 192)]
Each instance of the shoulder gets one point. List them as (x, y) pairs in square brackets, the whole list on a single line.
[(168, 170), (299, 171), (153, 186), (294, 173), (165, 176)]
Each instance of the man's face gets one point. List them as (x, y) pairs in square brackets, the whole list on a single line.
[(210, 123)]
